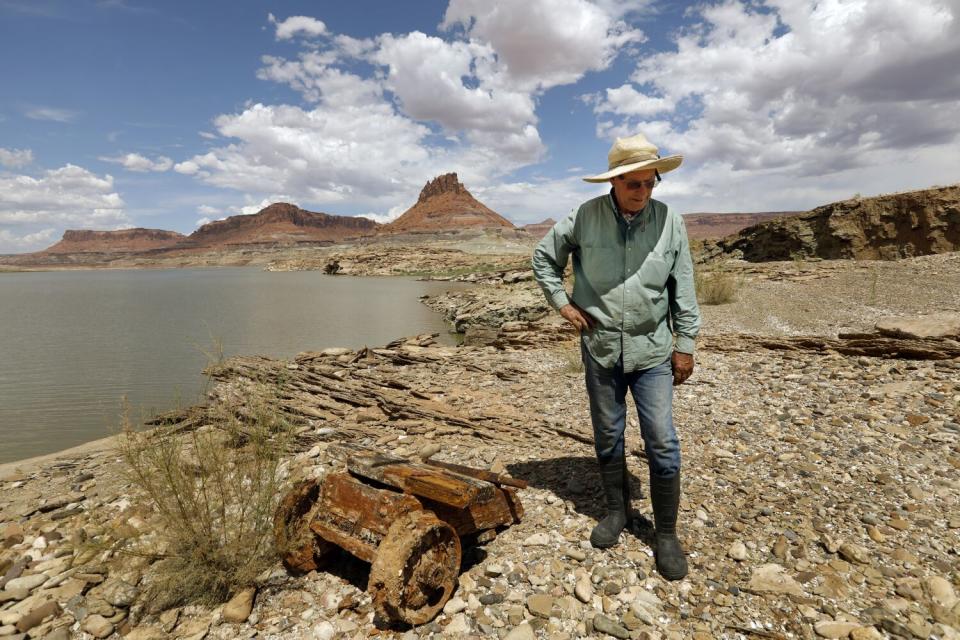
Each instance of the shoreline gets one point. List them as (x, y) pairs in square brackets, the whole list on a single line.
[(26, 465)]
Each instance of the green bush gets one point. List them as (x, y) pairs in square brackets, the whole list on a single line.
[(213, 493)]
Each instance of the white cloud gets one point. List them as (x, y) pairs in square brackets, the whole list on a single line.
[(207, 210), (788, 100), (139, 163), (464, 102), (15, 158), (544, 43), (384, 218), (535, 200), (207, 135), (14, 243), (627, 101), (51, 113), (70, 196), (297, 25)]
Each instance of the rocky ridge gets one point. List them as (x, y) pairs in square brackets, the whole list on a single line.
[(124, 240), (820, 501), (884, 227), (539, 229), (281, 223)]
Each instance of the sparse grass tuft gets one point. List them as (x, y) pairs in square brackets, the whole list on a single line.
[(572, 360), (716, 285), (213, 492)]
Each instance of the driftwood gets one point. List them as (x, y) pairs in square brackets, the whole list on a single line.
[(851, 344)]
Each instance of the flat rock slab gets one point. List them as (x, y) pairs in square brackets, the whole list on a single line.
[(935, 325)]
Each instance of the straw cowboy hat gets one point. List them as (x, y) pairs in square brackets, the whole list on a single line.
[(633, 154)]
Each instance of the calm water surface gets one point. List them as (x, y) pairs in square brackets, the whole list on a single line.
[(74, 344)]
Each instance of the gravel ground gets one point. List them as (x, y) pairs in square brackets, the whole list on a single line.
[(821, 492)]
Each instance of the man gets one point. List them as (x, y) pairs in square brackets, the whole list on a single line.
[(635, 307)]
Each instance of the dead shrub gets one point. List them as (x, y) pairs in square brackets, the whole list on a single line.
[(213, 493), (716, 285)]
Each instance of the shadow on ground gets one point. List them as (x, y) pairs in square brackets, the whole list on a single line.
[(575, 479)]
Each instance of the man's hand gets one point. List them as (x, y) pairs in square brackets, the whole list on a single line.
[(580, 319), (682, 367)]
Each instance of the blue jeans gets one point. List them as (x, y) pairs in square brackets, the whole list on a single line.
[(652, 391)]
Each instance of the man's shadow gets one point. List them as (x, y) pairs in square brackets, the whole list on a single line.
[(576, 479)]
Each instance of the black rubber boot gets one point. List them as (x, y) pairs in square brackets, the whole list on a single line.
[(665, 496), (612, 476), (627, 510)]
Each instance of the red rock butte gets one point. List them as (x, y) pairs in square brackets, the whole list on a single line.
[(281, 223), (446, 205), (133, 240)]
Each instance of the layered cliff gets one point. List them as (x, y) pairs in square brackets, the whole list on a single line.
[(121, 241), (884, 227), (280, 223)]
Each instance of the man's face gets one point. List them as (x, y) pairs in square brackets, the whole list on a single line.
[(633, 190)]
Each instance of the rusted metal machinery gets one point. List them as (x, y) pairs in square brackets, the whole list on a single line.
[(408, 519)]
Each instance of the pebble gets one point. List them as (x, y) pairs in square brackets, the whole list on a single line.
[(940, 591), (238, 609), (737, 551), (97, 626), (324, 631), (537, 539), (583, 590), (37, 615), (832, 629), (853, 553), (521, 632), (540, 604), (603, 624), (454, 605), (27, 583), (772, 578), (458, 626)]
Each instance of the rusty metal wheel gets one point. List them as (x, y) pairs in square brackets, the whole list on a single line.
[(300, 550), (416, 568)]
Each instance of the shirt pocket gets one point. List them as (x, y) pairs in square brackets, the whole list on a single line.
[(654, 273)]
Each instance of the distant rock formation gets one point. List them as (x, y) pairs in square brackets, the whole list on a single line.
[(703, 226), (444, 205), (883, 227), (121, 241), (280, 223), (539, 229)]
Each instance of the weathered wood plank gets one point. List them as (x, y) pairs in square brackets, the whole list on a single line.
[(355, 515), (504, 509), (440, 485), (480, 474)]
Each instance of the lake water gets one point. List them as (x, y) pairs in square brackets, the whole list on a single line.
[(74, 344)]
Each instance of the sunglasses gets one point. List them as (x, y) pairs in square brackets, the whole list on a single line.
[(634, 185)]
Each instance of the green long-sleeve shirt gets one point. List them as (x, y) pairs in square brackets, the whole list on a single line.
[(635, 278)]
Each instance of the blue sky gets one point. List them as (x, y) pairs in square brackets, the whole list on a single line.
[(121, 113)]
